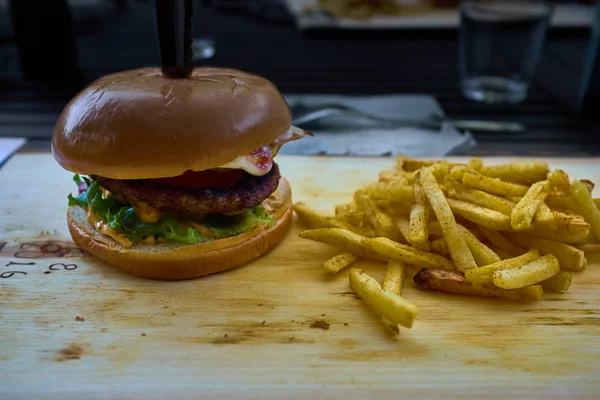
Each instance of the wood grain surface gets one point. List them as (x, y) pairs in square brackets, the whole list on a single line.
[(73, 327)]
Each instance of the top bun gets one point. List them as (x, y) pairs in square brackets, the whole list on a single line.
[(139, 124)]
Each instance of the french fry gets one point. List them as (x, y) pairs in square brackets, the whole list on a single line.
[(584, 200), (522, 215), (337, 263), (390, 192), (534, 272), (475, 163), (578, 237), (560, 282), (481, 216), (543, 214), (404, 225), (481, 198), (485, 275), (454, 282), (498, 240), (410, 165), (394, 277), (398, 310), (343, 239), (559, 181), (410, 255), (570, 258), (597, 202), (439, 246), (476, 180), (483, 255), (525, 173), (459, 251), (315, 219), (419, 218), (384, 224), (564, 222)]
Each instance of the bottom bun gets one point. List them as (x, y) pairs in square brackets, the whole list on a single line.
[(174, 261)]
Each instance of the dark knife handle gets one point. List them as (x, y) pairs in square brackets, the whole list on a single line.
[(174, 22)]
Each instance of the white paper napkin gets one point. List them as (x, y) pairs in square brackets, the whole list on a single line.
[(8, 146), (344, 136)]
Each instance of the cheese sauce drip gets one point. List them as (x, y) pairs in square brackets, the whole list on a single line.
[(260, 161)]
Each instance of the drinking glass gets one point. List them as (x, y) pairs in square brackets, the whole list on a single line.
[(500, 46)]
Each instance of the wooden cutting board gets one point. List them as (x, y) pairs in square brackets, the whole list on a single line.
[(73, 327)]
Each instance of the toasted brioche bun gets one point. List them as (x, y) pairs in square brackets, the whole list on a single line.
[(138, 124), (174, 261)]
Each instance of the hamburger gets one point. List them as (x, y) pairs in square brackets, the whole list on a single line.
[(176, 177)]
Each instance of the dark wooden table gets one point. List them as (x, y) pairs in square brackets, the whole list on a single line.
[(110, 40)]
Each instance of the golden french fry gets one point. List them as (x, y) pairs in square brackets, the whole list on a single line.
[(481, 216), (391, 192), (392, 175), (484, 275), (475, 163), (481, 198), (337, 263), (498, 240), (459, 251), (410, 255), (496, 186), (439, 246), (384, 224), (560, 282), (559, 181), (455, 282), (578, 237), (398, 310), (543, 214), (524, 173), (534, 272), (394, 276), (456, 173), (570, 258), (483, 255), (311, 217), (343, 239), (522, 215), (597, 202), (410, 165), (418, 232), (585, 201)]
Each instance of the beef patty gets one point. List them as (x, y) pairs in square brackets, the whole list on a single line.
[(247, 192)]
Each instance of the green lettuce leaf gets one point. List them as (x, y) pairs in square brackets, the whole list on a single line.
[(172, 226), (227, 226), (126, 221)]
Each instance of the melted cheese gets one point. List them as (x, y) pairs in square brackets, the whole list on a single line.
[(245, 162)]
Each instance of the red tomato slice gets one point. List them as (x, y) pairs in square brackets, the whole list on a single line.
[(203, 179)]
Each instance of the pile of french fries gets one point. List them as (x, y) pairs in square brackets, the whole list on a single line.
[(505, 232)]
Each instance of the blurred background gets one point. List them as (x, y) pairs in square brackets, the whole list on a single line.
[(401, 57)]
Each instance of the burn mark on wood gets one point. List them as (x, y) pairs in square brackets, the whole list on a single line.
[(69, 353)]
